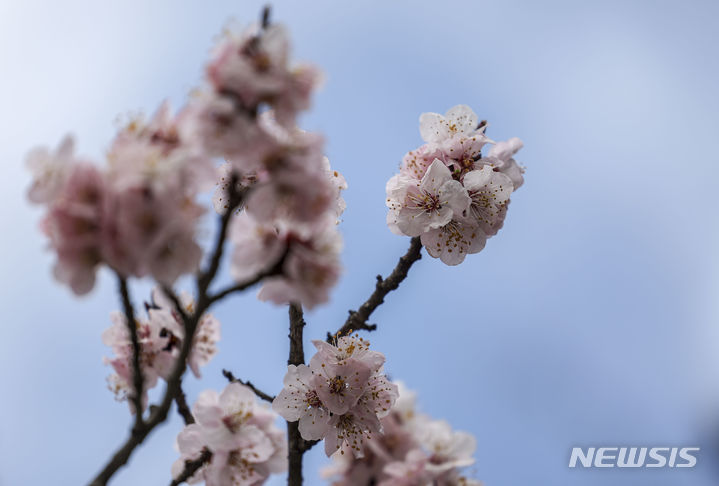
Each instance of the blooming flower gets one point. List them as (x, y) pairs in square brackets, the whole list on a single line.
[(452, 160), (411, 450), (299, 401), (430, 204), (160, 336), (246, 446)]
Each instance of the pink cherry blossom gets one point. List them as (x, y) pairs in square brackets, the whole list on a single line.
[(246, 445), (455, 240), (339, 385), (429, 204), (457, 133), (298, 400), (490, 192)]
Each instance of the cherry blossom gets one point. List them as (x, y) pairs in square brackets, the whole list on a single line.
[(412, 450), (452, 152), (457, 134), (430, 204), (246, 445), (340, 397), (299, 401), (160, 336)]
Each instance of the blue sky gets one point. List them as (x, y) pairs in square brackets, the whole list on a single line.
[(590, 319)]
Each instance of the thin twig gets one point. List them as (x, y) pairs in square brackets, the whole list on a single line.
[(192, 466), (231, 378), (137, 378), (182, 408), (275, 269), (357, 320)]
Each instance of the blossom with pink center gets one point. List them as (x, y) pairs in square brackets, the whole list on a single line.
[(339, 385), (455, 240), (350, 432), (490, 191), (457, 134), (431, 203), (246, 445), (299, 401)]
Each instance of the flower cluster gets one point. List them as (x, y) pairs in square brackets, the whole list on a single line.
[(138, 216), (340, 397), (447, 192), (241, 434), (160, 337), (414, 450), (293, 196)]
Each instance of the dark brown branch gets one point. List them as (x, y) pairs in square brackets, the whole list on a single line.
[(231, 378), (137, 378), (191, 467), (295, 443), (357, 320), (182, 408)]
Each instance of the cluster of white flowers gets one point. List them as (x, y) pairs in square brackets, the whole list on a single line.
[(448, 193), (160, 337), (414, 450), (340, 397), (241, 434)]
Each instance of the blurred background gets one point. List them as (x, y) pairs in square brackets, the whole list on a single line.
[(589, 320)]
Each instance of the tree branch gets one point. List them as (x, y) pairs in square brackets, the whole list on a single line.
[(182, 408), (295, 443), (357, 320), (137, 378), (275, 269), (231, 378), (235, 198)]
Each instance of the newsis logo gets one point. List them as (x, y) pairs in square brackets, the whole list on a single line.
[(649, 457)]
